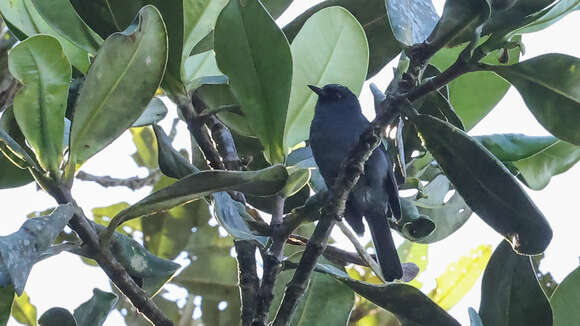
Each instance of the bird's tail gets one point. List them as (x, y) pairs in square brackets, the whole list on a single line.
[(385, 248)]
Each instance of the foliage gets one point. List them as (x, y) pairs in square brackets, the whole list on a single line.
[(88, 71)]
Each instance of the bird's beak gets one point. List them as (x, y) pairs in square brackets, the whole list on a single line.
[(319, 91)]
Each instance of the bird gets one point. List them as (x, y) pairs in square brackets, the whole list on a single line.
[(335, 129)]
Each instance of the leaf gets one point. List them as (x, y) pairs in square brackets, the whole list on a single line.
[(466, 93), (556, 12), (411, 20), (22, 15), (564, 298), (413, 225), (459, 277), (198, 66), (12, 176), (474, 318), (62, 17), (41, 66), (321, 56), (459, 18), (510, 293), (260, 78), (297, 178), (170, 161), (106, 17), (410, 305), (154, 112), (534, 160), (548, 84), (234, 218), (104, 215), (486, 185), (12, 142), (24, 311), (21, 249), (57, 317), (6, 298), (505, 21), (94, 311), (146, 155), (371, 14), (323, 294), (417, 253), (197, 185), (139, 53)]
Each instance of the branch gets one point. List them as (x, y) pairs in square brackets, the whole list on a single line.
[(116, 272), (132, 183), (248, 278), (351, 169)]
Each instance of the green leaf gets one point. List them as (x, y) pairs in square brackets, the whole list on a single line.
[(6, 298), (146, 155), (42, 67), (549, 86), (414, 225), (255, 55), (23, 15), (195, 186), (466, 93), (323, 294), (534, 160), (564, 300), (556, 12), (510, 293), (411, 20), (107, 16), (154, 112), (139, 53), (474, 319), (22, 249), (12, 176), (410, 305), (323, 55), (486, 185), (12, 142), (143, 266), (94, 311), (459, 277), (297, 178), (198, 66), (57, 317), (234, 218), (62, 17), (104, 215), (459, 18), (510, 19), (167, 233), (276, 7), (371, 14), (170, 161), (24, 311)]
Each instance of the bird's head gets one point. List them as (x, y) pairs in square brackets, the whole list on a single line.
[(335, 94)]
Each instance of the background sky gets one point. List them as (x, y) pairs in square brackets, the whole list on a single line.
[(65, 281)]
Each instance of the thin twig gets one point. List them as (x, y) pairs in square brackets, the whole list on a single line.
[(132, 183)]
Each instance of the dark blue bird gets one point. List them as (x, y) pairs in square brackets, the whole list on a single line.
[(338, 122)]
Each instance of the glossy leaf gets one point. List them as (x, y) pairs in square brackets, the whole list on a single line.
[(510, 19), (62, 17), (556, 12), (42, 67), (534, 160), (139, 53), (21, 249), (171, 162), (371, 14), (549, 86), (411, 20), (57, 317), (400, 299), (234, 217), (22, 15), (321, 56), (297, 178), (154, 112), (510, 293), (260, 78), (474, 94), (564, 298), (459, 18), (198, 66), (459, 277), (12, 176), (195, 186), (6, 298), (96, 309), (107, 17), (323, 294), (24, 311), (486, 185)]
